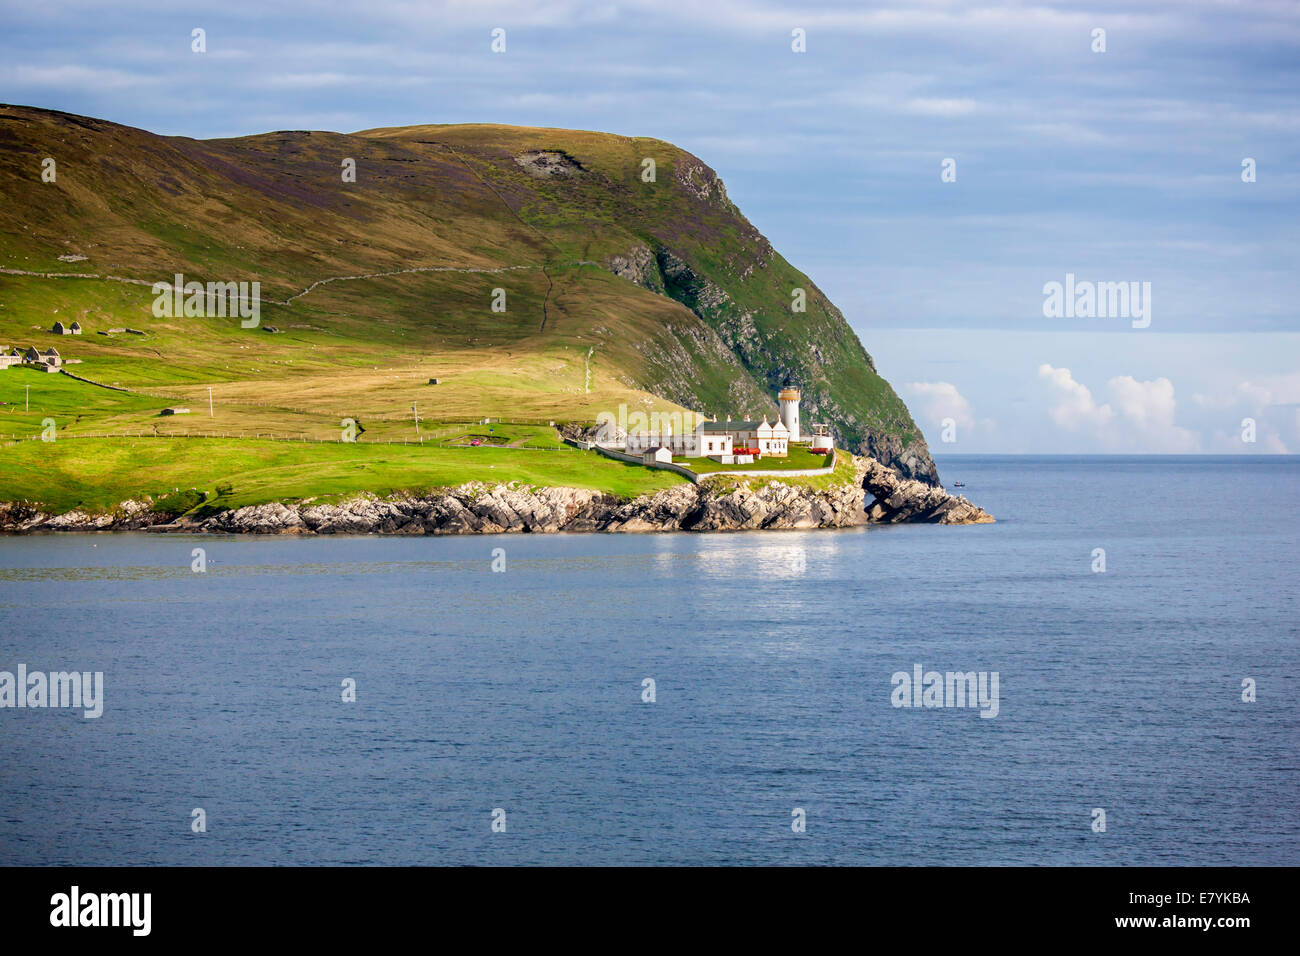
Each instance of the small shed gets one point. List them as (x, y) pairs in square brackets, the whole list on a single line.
[(59, 329), (75, 328), (656, 455), (175, 410)]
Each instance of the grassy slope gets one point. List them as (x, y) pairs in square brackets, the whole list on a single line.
[(575, 339), (98, 473)]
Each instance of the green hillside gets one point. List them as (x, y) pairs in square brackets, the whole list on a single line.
[(657, 295)]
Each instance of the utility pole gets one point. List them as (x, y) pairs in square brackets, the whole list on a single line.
[(416, 415), (29, 398), (209, 401)]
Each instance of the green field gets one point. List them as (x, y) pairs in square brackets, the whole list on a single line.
[(97, 474), (222, 456)]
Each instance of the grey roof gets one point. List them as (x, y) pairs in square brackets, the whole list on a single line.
[(731, 426)]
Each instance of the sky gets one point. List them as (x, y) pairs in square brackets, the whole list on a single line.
[(933, 166)]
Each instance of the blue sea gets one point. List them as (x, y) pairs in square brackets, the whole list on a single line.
[(772, 657)]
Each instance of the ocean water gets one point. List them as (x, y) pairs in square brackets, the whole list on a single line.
[(772, 656)]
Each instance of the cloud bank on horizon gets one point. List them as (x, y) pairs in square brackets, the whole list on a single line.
[(932, 165)]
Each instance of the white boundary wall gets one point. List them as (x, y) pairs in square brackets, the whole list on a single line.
[(696, 476), (638, 460)]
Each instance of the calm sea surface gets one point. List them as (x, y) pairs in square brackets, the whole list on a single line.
[(772, 655)]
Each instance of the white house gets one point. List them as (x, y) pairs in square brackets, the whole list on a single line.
[(763, 438), (728, 442)]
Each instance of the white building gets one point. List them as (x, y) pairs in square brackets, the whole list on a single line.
[(684, 445), (725, 441), (728, 442), (762, 438)]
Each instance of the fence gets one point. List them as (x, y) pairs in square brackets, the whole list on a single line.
[(259, 436), (264, 436), (463, 420)]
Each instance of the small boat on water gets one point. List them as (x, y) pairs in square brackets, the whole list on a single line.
[(959, 484)]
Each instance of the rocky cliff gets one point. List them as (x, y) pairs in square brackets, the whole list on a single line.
[(895, 499), (877, 495)]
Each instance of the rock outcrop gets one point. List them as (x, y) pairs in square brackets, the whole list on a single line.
[(548, 162), (897, 499), (878, 494), (17, 517), (481, 509)]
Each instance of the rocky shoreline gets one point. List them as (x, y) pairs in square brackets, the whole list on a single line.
[(878, 495)]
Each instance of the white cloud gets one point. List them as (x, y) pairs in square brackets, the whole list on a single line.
[(1149, 408), (1272, 401), (1138, 416), (940, 400), (1074, 408), (1149, 405)]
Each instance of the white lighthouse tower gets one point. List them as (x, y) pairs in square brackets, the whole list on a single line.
[(789, 399)]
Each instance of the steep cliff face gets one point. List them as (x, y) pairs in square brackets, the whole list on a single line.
[(881, 429)]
